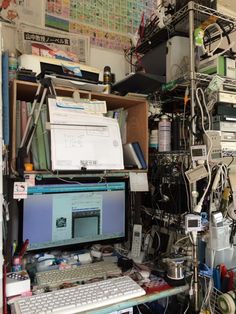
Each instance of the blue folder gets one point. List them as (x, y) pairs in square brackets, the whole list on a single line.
[(5, 98)]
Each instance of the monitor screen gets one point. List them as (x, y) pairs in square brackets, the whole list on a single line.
[(55, 216)]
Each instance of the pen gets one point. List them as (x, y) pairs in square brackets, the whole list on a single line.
[(13, 248), (24, 248)]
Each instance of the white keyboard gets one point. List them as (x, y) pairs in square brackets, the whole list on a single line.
[(80, 298), (56, 277)]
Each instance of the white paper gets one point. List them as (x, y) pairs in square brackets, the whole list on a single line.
[(83, 140), (138, 182), (86, 146), (100, 88), (75, 116), (30, 179), (86, 105)]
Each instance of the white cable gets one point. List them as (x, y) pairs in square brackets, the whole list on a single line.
[(198, 207), (139, 310), (219, 184), (206, 301), (193, 237), (159, 240), (186, 309), (221, 177), (183, 128), (167, 303), (185, 184), (180, 240), (182, 164), (217, 179), (212, 99), (204, 103)]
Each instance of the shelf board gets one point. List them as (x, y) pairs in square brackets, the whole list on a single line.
[(203, 78), (171, 153), (26, 91), (123, 173), (207, 78)]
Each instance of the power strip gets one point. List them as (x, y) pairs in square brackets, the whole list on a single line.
[(196, 173)]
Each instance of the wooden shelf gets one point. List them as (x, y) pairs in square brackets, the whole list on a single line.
[(137, 120)]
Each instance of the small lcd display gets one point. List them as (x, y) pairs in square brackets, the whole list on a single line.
[(197, 152), (192, 223)]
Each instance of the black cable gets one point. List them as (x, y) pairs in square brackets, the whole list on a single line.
[(231, 160), (224, 34), (232, 233)]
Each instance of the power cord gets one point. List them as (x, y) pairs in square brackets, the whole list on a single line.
[(198, 207)]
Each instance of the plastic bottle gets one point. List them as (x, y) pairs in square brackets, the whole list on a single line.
[(12, 66), (164, 134), (153, 135)]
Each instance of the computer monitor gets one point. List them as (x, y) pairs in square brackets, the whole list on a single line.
[(57, 216)]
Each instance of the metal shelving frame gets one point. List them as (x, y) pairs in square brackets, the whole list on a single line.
[(230, 27), (184, 22), (178, 23)]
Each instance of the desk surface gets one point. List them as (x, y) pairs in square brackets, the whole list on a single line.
[(140, 300)]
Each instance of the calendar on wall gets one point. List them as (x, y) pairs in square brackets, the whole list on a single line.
[(106, 22)]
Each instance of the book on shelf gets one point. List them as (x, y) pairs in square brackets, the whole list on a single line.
[(5, 98), (40, 141), (133, 156), (34, 144), (139, 153), (44, 119), (130, 158), (40, 147), (23, 122), (120, 114), (23, 117), (18, 124)]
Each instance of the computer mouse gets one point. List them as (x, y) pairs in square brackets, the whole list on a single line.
[(44, 265), (145, 274)]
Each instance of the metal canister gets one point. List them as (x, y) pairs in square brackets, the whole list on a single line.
[(175, 269)]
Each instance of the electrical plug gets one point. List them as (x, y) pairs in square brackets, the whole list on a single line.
[(198, 208)]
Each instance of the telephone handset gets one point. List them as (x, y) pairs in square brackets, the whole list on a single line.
[(136, 240)]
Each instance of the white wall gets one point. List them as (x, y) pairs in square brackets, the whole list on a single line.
[(9, 37), (100, 57)]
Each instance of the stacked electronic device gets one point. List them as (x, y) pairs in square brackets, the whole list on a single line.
[(224, 120)]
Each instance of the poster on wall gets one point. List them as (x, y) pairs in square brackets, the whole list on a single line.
[(14, 11), (106, 22), (55, 44)]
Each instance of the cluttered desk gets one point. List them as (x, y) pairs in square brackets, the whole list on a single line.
[(62, 216), (95, 287), (85, 289)]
